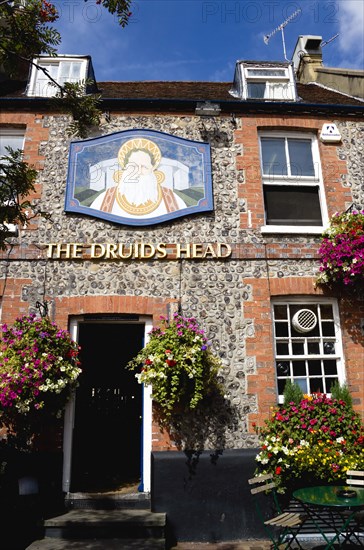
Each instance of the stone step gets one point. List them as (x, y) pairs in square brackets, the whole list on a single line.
[(98, 544), (92, 524), (107, 501)]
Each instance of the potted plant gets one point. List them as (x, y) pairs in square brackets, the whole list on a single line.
[(39, 365), (179, 366), (319, 438), (342, 251)]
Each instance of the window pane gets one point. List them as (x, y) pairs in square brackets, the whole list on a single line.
[(326, 312), (281, 385), (75, 71), (300, 157), (329, 348), (274, 157), (313, 348), (282, 348), (297, 348), (329, 384), (314, 367), (287, 205), (283, 368), (330, 367), (316, 385), (44, 86), (256, 90), (266, 72), (65, 70), (328, 329), (281, 329), (280, 312), (9, 140), (299, 368), (302, 383)]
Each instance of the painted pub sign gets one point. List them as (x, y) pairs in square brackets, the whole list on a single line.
[(139, 177)]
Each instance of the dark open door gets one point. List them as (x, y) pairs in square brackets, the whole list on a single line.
[(107, 437)]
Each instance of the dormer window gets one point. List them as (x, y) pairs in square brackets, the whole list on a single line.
[(61, 69), (264, 81)]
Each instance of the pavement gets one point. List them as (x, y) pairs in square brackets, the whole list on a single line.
[(233, 545)]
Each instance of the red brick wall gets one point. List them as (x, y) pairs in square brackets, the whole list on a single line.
[(262, 384), (331, 165)]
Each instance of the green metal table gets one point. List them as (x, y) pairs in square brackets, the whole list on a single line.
[(328, 497)]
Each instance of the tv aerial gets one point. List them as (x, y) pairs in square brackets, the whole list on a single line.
[(281, 27)]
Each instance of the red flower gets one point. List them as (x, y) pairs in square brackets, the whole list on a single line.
[(148, 362), (278, 470), (171, 363)]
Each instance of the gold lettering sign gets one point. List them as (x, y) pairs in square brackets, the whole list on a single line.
[(138, 251)]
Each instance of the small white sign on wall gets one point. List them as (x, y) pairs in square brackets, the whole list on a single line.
[(330, 133)]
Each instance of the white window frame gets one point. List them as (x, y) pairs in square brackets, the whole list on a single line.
[(251, 74), (38, 87), (11, 131), (6, 132), (296, 181), (338, 356)]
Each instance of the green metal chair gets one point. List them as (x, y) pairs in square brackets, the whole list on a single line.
[(355, 478), (283, 527)]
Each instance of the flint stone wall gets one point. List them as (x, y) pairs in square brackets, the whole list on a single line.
[(212, 291)]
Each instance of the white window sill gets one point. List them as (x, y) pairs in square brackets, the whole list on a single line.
[(295, 229)]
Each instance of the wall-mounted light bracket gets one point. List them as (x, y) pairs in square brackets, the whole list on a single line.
[(42, 307), (206, 108)]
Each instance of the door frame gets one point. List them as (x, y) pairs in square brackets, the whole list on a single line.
[(69, 417)]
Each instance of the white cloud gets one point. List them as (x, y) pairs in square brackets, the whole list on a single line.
[(351, 31)]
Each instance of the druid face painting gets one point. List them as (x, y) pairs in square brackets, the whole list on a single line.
[(139, 177)]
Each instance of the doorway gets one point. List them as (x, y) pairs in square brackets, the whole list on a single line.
[(107, 434)]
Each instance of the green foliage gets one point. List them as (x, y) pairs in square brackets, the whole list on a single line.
[(320, 438), (83, 107), (120, 7), (16, 182), (342, 251), (38, 367), (341, 393), (25, 33), (179, 366), (292, 393)]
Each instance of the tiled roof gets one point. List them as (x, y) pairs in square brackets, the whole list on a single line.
[(212, 91), (189, 91)]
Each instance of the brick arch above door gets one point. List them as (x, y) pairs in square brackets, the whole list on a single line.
[(81, 305)]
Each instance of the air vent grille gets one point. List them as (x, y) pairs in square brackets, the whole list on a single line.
[(304, 320)]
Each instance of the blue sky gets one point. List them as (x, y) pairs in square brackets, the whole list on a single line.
[(200, 40)]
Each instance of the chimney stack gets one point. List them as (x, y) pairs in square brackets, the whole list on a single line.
[(307, 57)]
